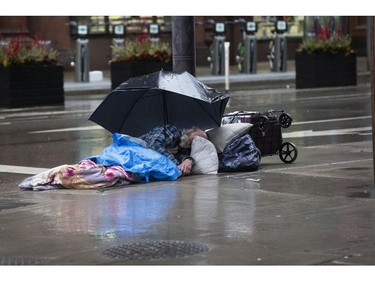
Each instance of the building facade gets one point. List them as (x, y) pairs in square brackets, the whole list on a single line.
[(63, 31)]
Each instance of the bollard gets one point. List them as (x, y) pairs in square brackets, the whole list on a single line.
[(250, 53), (218, 59), (226, 50), (118, 32), (281, 51), (218, 54), (82, 66), (154, 30)]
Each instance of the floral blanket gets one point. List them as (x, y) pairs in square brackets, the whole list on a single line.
[(127, 160), (84, 175)]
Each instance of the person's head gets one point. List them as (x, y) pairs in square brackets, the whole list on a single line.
[(189, 135)]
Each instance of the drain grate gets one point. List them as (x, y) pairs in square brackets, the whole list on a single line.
[(148, 250)]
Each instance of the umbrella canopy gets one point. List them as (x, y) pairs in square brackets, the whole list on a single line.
[(160, 98)]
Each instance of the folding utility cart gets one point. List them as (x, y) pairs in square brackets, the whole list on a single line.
[(266, 132)]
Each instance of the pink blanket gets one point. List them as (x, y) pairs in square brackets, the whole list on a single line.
[(84, 175)]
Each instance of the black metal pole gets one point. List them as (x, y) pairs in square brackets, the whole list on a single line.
[(368, 41), (183, 44)]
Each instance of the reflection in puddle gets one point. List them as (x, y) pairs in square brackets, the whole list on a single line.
[(114, 215)]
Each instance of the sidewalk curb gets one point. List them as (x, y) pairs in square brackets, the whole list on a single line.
[(236, 81)]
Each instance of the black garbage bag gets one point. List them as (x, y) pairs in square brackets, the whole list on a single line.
[(240, 155)]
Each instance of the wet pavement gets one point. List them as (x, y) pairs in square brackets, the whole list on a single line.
[(317, 211)]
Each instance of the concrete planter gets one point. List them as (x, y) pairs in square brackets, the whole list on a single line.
[(31, 85), (122, 71), (325, 70)]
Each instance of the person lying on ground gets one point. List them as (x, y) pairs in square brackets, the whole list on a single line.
[(174, 143)]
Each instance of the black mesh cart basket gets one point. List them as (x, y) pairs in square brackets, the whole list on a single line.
[(266, 132)]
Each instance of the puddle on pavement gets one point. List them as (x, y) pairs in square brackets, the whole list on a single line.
[(355, 168), (18, 261), (6, 204), (370, 194)]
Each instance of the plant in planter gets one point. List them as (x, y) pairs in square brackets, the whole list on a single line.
[(326, 61), (30, 75), (138, 57)]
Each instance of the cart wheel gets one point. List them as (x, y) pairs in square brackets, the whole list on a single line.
[(288, 152), (263, 123), (285, 120)]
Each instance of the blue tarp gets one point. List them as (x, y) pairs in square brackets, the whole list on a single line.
[(129, 153)]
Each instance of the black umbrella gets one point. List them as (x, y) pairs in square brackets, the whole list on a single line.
[(160, 98)]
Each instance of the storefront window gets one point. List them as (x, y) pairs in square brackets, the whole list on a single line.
[(266, 25)]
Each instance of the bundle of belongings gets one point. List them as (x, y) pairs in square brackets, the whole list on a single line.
[(128, 160), (235, 148)]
